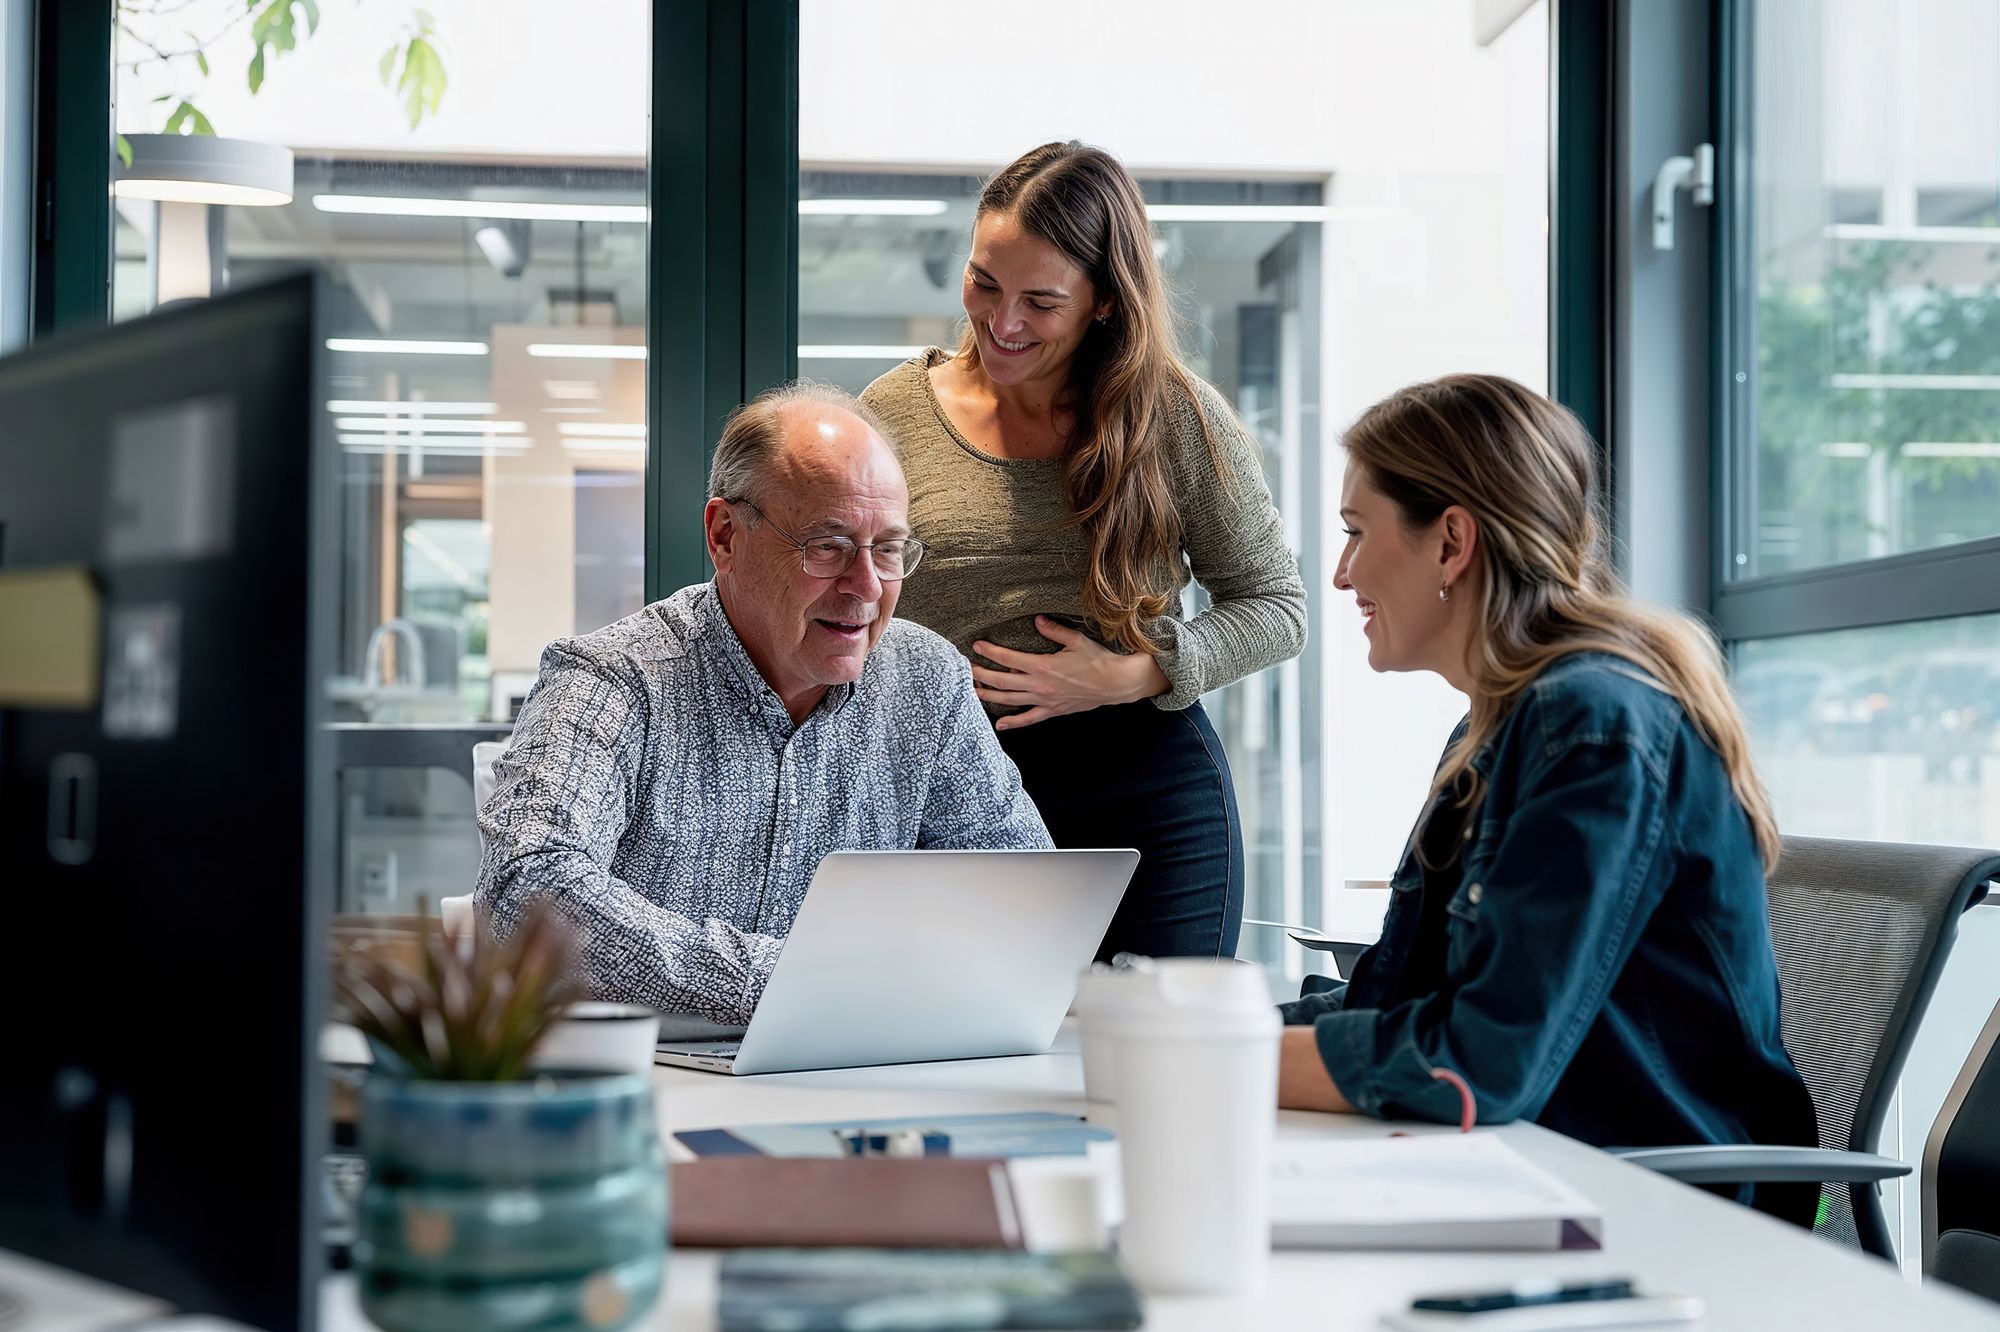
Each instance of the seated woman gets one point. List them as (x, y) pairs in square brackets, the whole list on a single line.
[(1578, 928)]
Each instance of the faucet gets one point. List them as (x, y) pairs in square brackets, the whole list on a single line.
[(410, 653)]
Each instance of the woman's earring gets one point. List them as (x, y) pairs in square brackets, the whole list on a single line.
[(1444, 591)]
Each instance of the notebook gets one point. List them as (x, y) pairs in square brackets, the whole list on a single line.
[(1435, 1191), (832, 1290), (1026, 1133), (804, 1202)]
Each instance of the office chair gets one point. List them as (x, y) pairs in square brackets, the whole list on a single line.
[(1861, 930), (456, 913), (1961, 1209)]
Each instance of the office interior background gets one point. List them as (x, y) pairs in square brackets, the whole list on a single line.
[(542, 218)]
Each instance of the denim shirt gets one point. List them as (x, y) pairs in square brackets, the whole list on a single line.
[(1607, 967)]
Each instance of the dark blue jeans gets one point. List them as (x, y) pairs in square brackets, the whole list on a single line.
[(1135, 775)]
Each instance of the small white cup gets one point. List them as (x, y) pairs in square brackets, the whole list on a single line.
[(1197, 1078), (593, 1035), (1101, 992)]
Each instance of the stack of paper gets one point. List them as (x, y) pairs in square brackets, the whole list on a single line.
[(1437, 1191)]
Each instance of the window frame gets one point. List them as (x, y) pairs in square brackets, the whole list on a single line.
[(1943, 582)]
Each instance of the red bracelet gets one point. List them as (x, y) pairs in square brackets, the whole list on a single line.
[(1468, 1110)]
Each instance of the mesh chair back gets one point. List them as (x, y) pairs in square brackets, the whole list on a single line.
[(1861, 930)]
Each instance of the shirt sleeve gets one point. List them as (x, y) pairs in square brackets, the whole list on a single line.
[(975, 800), (1318, 996), (552, 828), (1236, 550), (1540, 933)]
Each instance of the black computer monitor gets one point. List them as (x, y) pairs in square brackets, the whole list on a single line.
[(165, 852)]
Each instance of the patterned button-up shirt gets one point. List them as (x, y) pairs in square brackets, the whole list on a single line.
[(657, 791)]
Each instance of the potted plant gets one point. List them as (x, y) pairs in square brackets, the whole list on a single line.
[(497, 1196)]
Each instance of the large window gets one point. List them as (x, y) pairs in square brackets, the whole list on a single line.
[(1333, 228), (1875, 138), (481, 222), (1860, 533)]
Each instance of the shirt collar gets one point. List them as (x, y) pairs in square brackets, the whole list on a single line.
[(711, 620)]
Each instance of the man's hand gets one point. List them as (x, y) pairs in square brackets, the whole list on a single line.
[(1083, 675), (1303, 1082)]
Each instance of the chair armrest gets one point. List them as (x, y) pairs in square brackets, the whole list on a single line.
[(1747, 1163), (1344, 950)]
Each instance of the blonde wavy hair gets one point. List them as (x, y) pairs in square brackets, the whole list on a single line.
[(1526, 470), (1124, 378)]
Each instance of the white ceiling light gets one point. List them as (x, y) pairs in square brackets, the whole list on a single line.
[(856, 352), (520, 210), (1272, 213), (1953, 449), (871, 207), (203, 169), (1942, 383), (429, 427), (605, 445), (413, 407), (511, 444), (589, 351), (407, 346), (601, 430)]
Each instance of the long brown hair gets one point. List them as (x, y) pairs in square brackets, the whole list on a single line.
[(1527, 471), (1124, 380)]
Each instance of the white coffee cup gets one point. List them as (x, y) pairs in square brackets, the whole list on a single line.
[(1197, 1076), (1101, 991), (601, 1036)]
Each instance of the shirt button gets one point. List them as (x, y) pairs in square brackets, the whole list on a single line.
[(1474, 893)]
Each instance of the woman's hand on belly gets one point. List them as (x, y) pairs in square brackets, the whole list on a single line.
[(1083, 674)]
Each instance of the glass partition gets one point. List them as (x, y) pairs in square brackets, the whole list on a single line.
[(1333, 228)]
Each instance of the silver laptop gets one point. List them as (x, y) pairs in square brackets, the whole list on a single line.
[(902, 956)]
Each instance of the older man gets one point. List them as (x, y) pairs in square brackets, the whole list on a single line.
[(676, 777)]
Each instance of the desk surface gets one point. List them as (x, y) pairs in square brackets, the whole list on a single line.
[(1755, 1273)]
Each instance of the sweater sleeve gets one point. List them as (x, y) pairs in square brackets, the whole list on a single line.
[(1236, 550)]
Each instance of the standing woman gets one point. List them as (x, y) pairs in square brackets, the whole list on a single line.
[(1070, 475)]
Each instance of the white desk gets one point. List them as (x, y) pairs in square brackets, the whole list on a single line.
[(1757, 1275)]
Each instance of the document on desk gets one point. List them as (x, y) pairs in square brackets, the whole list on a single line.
[(1017, 1134), (1436, 1191)]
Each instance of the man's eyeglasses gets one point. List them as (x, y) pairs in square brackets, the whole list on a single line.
[(832, 556)]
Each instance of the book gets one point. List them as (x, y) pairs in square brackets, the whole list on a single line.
[(832, 1290), (881, 1202), (1026, 1133), (1435, 1191)]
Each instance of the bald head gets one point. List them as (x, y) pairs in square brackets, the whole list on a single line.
[(799, 425)]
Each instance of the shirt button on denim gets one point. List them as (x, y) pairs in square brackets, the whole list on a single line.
[(1474, 893)]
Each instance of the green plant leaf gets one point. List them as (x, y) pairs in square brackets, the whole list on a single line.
[(388, 66), (312, 15), (201, 62), (179, 118), (257, 71), (125, 151), (200, 122), (423, 81)]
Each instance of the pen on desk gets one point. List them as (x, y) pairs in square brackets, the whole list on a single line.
[(1525, 1293)]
